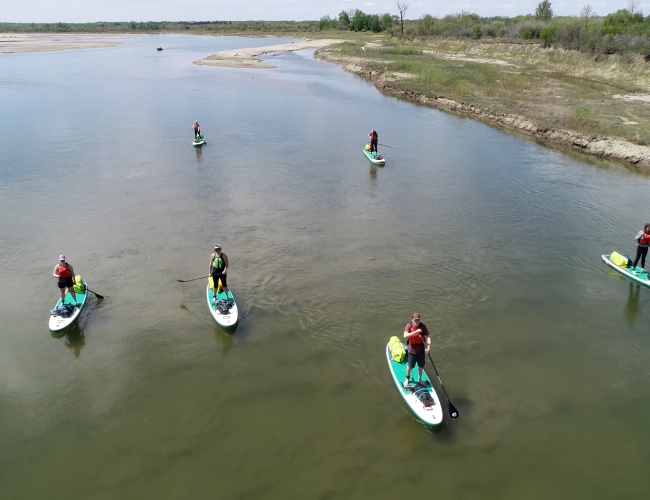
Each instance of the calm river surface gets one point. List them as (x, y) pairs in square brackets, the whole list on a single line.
[(495, 240)]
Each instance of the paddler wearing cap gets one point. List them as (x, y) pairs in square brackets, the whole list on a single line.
[(416, 334), (218, 269), (197, 130), (65, 275)]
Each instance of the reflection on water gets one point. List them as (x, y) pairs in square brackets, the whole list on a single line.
[(75, 338), (631, 310)]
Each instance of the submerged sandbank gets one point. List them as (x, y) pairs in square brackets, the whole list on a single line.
[(247, 58), (36, 42)]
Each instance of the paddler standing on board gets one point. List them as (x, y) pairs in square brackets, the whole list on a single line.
[(416, 334), (374, 139), (65, 276), (197, 130), (218, 269)]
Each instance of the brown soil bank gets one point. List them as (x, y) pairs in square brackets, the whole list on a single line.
[(598, 107)]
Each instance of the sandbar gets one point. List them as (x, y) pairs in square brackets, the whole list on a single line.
[(247, 58), (36, 42)]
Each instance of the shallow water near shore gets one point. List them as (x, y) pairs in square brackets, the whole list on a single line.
[(494, 240)]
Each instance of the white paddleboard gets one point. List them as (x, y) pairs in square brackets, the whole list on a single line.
[(431, 415), (224, 320), (58, 323)]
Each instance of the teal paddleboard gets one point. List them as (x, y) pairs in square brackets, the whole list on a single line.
[(374, 158), (429, 414), (639, 276), (224, 319), (58, 323)]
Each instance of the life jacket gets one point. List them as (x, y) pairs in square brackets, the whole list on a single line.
[(644, 239), (196, 127), (414, 339), (218, 262), (64, 271), (373, 137)]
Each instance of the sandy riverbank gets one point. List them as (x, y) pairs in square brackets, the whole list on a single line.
[(32, 42), (247, 58)]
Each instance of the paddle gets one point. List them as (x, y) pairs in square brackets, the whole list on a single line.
[(186, 281), (387, 146), (453, 412), (96, 294)]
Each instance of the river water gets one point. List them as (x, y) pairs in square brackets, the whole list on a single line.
[(494, 240)]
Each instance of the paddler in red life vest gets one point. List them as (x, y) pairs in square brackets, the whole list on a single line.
[(643, 239), (65, 274), (416, 334), (197, 130), (374, 139)]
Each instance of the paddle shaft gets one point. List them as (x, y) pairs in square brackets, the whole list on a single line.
[(96, 294), (453, 413), (187, 281), (387, 146)]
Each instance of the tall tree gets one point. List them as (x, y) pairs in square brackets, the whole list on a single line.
[(402, 7), (587, 13), (633, 7), (544, 11)]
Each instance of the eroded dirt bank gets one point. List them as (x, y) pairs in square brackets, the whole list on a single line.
[(601, 146)]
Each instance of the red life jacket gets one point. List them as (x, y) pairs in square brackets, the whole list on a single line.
[(196, 127), (373, 137), (64, 271), (644, 239), (414, 339)]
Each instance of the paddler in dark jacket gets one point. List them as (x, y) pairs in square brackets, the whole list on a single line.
[(218, 269), (374, 139), (416, 334), (65, 275)]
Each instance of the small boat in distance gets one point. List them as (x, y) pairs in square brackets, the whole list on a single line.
[(159, 48)]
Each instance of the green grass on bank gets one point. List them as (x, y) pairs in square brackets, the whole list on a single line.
[(553, 87)]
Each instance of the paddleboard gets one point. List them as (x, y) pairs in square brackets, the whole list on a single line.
[(430, 416), (58, 323), (374, 158), (628, 272), (200, 142), (224, 320)]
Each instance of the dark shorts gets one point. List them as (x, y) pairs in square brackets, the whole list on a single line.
[(221, 277), (415, 358), (65, 283)]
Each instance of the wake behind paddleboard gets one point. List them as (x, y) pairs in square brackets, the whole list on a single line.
[(431, 415), (374, 158), (58, 323), (628, 272), (225, 320)]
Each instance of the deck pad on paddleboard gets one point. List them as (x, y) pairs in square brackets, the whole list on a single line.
[(374, 158), (628, 272), (58, 323), (223, 319), (431, 415)]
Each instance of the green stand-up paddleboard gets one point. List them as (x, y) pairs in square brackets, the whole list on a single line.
[(374, 158), (200, 141), (58, 322), (225, 319), (629, 272), (427, 410)]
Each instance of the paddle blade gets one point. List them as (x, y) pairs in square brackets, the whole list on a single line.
[(96, 294), (453, 412)]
